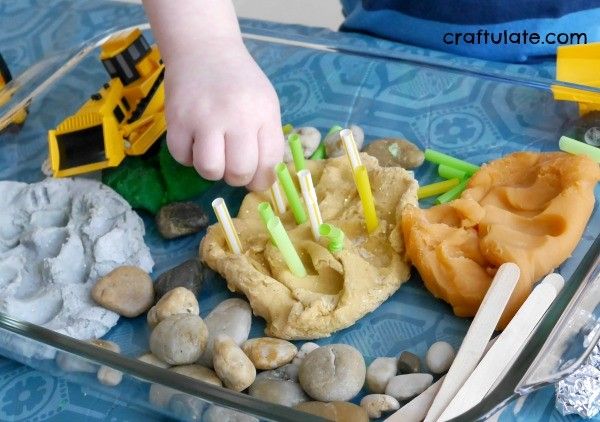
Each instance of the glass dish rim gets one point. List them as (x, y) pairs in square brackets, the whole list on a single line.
[(225, 397)]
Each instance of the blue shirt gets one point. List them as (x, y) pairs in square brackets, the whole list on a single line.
[(506, 30)]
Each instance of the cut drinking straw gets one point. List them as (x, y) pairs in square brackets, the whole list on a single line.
[(285, 246), (436, 188), (277, 197), (477, 337), (334, 128), (311, 202), (441, 158), (293, 199), (224, 218), (320, 153), (452, 193), (334, 235), (287, 129), (573, 146), (508, 344), (448, 172), (297, 151), (351, 149), (361, 178), (265, 211)]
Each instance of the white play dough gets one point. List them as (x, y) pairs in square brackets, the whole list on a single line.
[(57, 238)]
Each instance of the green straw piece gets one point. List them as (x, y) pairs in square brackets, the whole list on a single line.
[(452, 193), (448, 172), (573, 146), (441, 158), (320, 153), (287, 129), (265, 211), (283, 174), (334, 235), (285, 246), (297, 151)]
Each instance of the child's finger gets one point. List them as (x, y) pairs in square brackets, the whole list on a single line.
[(209, 155), (241, 157), (179, 144), (270, 152)]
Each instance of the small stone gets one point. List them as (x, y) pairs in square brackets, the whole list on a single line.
[(179, 219), (71, 363), (232, 365), (269, 353), (439, 357), (177, 301), (179, 339), (334, 145), (407, 386), (279, 386), (376, 404), (335, 372), (232, 317), (126, 290), (150, 359), (109, 376), (408, 363), (189, 274), (379, 372), (337, 411), (187, 407), (396, 153), (310, 138), (222, 414), (305, 349)]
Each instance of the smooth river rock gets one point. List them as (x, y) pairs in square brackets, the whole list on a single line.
[(396, 153), (376, 404), (232, 365), (407, 386), (179, 339), (334, 145), (232, 317), (408, 363), (268, 352), (189, 274), (335, 372), (177, 301), (279, 386), (126, 290), (305, 349), (179, 219), (338, 411), (379, 372), (439, 357)]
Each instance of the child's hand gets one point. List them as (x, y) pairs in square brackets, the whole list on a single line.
[(223, 114)]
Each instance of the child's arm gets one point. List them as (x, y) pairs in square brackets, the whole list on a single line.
[(222, 111)]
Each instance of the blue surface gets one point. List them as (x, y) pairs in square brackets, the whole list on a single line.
[(466, 116)]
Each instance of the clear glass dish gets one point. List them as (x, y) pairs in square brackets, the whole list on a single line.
[(459, 107)]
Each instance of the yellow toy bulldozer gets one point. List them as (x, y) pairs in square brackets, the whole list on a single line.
[(125, 117), (6, 77)]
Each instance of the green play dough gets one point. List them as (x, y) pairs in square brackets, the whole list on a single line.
[(155, 179)]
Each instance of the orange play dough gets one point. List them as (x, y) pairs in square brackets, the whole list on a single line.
[(527, 208)]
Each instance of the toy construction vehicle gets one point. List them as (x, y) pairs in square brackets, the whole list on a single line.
[(579, 64), (5, 77), (125, 117)]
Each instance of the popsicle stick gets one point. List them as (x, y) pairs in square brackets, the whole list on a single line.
[(478, 335), (509, 344), (226, 222), (416, 409)]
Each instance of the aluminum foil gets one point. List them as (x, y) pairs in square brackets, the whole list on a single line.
[(580, 392)]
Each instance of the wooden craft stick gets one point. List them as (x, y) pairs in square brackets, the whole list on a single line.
[(478, 335), (416, 409), (509, 344)]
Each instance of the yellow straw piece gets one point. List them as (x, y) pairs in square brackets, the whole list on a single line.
[(351, 149), (224, 218), (311, 202), (361, 178), (436, 188), (277, 197)]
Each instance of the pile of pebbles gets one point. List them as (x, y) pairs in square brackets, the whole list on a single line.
[(216, 349)]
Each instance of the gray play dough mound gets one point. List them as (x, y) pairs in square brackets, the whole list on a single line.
[(57, 238)]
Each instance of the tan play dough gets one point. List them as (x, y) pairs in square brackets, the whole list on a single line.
[(340, 288), (527, 208)]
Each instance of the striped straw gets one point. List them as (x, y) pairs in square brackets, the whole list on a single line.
[(311, 202), (227, 224)]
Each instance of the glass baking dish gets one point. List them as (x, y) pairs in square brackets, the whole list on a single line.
[(460, 107)]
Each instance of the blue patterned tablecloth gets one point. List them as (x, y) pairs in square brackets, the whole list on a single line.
[(28, 31)]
